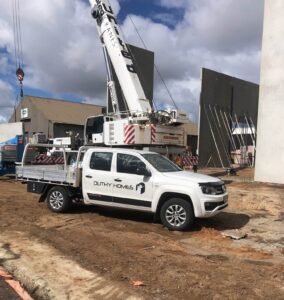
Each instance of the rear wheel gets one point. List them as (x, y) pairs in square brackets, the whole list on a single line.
[(177, 214), (58, 199)]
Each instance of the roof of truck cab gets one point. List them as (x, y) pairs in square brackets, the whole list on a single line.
[(121, 150)]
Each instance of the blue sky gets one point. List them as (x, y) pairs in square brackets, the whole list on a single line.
[(153, 10), (63, 57)]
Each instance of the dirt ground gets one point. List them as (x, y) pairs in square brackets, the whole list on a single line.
[(122, 246)]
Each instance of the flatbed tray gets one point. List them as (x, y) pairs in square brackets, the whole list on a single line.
[(49, 174)]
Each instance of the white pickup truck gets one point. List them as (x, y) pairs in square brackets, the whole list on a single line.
[(125, 178)]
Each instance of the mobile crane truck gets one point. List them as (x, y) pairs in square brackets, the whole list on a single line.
[(140, 126), (109, 170)]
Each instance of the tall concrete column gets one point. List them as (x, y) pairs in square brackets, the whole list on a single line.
[(270, 140)]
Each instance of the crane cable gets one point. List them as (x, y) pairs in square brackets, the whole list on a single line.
[(18, 44), (156, 68)]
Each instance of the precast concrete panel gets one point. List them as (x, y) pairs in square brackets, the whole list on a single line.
[(270, 142), (223, 96)]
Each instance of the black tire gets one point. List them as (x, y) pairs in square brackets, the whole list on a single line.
[(177, 214), (58, 200)]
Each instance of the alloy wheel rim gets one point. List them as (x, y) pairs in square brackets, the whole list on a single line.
[(176, 215), (56, 200)]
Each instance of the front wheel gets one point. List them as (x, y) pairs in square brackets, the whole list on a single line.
[(177, 214), (58, 200)]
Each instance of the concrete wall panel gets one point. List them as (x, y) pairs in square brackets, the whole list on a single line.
[(270, 143), (232, 96)]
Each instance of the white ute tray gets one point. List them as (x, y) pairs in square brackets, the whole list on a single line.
[(47, 173)]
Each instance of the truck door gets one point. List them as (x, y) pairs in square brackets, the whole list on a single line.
[(130, 189), (98, 178)]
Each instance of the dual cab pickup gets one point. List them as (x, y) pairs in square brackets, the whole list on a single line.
[(129, 179)]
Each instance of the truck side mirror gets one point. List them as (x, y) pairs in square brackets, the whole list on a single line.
[(147, 172), (143, 170)]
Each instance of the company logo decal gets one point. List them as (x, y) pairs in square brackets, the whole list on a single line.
[(140, 188)]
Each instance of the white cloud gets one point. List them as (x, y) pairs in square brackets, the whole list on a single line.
[(63, 55), (4, 65), (223, 35), (184, 93), (6, 33), (7, 101), (60, 46), (224, 26)]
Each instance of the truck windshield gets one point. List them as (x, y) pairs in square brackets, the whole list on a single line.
[(161, 163)]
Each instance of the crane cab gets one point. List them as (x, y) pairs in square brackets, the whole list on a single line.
[(94, 130), (107, 131)]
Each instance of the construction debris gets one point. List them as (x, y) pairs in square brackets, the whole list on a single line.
[(137, 283), (234, 234)]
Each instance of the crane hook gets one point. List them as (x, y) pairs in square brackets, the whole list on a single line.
[(20, 74)]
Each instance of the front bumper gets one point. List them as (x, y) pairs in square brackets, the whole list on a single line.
[(212, 205)]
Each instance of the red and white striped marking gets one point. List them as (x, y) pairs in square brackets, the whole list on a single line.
[(189, 160), (153, 133), (129, 134), (10, 148)]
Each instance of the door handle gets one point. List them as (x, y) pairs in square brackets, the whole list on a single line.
[(89, 176), (117, 180)]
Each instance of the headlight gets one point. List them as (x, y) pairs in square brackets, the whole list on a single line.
[(210, 190), (213, 188)]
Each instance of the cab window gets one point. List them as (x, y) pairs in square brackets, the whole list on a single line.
[(128, 163), (101, 161)]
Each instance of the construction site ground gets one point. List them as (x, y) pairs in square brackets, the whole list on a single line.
[(100, 253)]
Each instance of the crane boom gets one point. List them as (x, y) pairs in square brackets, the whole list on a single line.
[(112, 39), (140, 125)]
